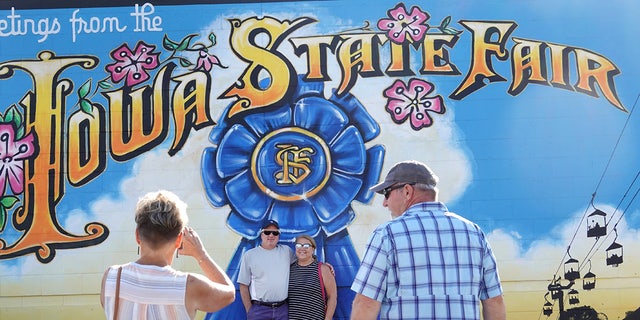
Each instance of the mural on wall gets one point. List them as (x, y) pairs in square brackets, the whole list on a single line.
[(292, 115)]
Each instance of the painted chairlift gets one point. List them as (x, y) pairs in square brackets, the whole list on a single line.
[(547, 309), (555, 289), (614, 252), (571, 268), (573, 297), (597, 224), (589, 280)]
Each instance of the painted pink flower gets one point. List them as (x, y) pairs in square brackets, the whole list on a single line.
[(132, 66), (403, 24), (12, 156), (206, 61), (411, 100)]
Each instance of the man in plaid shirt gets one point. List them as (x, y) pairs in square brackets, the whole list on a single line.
[(426, 263)]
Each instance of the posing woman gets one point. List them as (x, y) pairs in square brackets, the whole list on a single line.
[(312, 285), (150, 288)]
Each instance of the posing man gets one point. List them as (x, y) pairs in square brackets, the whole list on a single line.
[(264, 276), (426, 263)]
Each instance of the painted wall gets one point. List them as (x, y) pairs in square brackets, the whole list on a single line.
[(292, 110)]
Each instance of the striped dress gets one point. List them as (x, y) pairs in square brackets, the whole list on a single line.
[(146, 292), (305, 294)]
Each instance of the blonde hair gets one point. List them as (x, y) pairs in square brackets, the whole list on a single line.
[(308, 237), (160, 217)]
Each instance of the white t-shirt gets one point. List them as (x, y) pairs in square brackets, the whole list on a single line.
[(266, 272)]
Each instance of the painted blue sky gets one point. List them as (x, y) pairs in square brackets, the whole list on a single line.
[(536, 158), (523, 167)]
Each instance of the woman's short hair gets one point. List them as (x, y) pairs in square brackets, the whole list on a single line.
[(308, 237), (160, 217)]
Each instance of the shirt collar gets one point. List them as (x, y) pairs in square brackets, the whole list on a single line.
[(427, 206)]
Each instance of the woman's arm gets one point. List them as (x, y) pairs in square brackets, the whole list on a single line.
[(214, 290), (330, 290)]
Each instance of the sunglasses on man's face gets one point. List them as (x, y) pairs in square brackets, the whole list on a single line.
[(387, 191), (271, 232)]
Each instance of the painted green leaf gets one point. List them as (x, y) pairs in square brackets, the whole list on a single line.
[(104, 84), (17, 120), (85, 106), (8, 117), (185, 42), (212, 38), (14, 116), (8, 201), (185, 63), (3, 219), (9, 114), (168, 44), (20, 133), (446, 22), (450, 31), (84, 89)]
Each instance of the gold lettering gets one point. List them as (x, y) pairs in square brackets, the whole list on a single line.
[(87, 147), (293, 160), (594, 68), (316, 49), (139, 119), (190, 106), (435, 59), (44, 187), (358, 52), (400, 61), (559, 68), (527, 64), (483, 47), (265, 63)]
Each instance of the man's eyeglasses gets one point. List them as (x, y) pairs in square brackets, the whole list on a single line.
[(303, 245), (271, 232), (387, 191)]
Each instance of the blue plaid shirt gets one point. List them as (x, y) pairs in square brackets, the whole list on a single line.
[(428, 264)]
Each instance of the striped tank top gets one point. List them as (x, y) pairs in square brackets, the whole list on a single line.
[(305, 294), (146, 292)]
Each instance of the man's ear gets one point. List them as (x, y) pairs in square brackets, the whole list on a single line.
[(407, 190), (137, 236)]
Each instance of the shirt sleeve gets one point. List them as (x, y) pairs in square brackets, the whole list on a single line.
[(244, 274), (371, 279), (490, 286), (292, 255)]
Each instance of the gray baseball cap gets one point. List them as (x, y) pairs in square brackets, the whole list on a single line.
[(407, 172)]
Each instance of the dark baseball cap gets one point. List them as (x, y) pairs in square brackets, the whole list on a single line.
[(270, 223), (407, 172)]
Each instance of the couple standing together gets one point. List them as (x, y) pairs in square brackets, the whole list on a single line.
[(277, 284), (426, 263)]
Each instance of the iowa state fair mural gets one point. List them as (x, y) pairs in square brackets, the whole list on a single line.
[(293, 110)]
